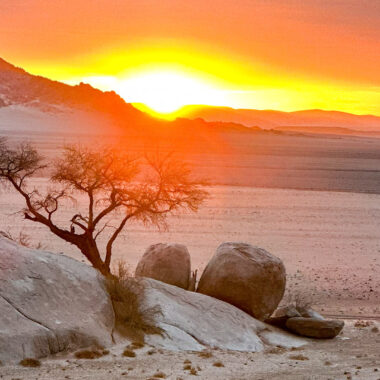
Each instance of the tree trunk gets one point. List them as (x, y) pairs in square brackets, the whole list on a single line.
[(91, 251)]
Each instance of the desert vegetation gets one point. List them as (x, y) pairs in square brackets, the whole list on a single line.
[(132, 319), (146, 189)]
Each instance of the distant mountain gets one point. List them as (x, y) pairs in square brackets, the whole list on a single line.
[(274, 119), (19, 88), (40, 104)]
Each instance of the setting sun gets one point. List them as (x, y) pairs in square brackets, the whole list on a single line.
[(163, 92)]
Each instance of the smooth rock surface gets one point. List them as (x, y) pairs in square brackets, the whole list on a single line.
[(315, 328), (193, 321), (49, 303), (169, 263), (245, 276)]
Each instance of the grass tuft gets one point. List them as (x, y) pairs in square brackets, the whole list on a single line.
[(30, 362), (129, 353), (205, 354), (193, 372), (298, 357), (90, 354), (136, 345), (159, 375), (131, 318), (276, 350)]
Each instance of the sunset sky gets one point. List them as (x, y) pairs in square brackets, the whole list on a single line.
[(262, 54)]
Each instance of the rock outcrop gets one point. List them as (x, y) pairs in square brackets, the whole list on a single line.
[(49, 303), (245, 276), (169, 263), (193, 321)]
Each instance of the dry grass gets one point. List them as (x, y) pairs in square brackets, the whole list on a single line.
[(30, 362), (362, 324), (93, 353), (136, 345), (205, 354), (22, 239), (218, 364), (160, 375), (299, 292), (187, 367), (193, 371), (298, 357), (129, 353), (131, 318), (276, 350)]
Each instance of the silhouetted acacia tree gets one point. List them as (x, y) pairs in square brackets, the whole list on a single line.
[(116, 187)]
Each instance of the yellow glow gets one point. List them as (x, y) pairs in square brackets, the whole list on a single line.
[(164, 92), (164, 77)]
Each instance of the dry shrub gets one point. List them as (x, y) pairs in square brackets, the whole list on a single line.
[(276, 350), (136, 345), (22, 239), (132, 319), (187, 367), (301, 292), (88, 354), (129, 353), (363, 324), (205, 354), (193, 371), (218, 364), (159, 375), (30, 362), (298, 357)]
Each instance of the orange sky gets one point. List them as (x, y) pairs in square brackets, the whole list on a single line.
[(274, 54)]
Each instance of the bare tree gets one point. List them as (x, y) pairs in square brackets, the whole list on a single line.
[(112, 183)]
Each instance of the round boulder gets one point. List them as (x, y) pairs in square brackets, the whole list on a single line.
[(169, 263), (245, 276)]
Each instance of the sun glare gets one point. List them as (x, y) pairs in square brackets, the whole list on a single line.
[(163, 92)]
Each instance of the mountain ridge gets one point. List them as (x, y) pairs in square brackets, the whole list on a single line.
[(273, 118), (20, 88)]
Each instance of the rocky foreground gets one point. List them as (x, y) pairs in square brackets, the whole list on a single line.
[(353, 355), (50, 303), (52, 307)]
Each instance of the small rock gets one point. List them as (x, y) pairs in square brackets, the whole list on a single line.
[(315, 328)]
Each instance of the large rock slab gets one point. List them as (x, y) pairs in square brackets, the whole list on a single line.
[(245, 276), (193, 321), (49, 303), (169, 263), (315, 328)]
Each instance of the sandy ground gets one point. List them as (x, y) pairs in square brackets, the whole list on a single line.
[(352, 355), (315, 162), (329, 241)]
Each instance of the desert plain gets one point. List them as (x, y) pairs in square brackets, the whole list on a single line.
[(313, 201)]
